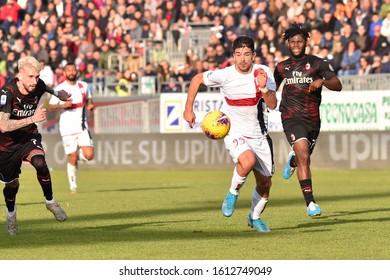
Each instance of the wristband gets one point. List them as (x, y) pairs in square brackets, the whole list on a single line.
[(55, 93), (264, 89)]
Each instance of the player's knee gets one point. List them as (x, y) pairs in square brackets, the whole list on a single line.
[(14, 184), (39, 163), (89, 155)]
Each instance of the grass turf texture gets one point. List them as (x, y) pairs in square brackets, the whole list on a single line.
[(169, 215)]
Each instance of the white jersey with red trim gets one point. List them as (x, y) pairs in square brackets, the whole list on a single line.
[(242, 101), (72, 119)]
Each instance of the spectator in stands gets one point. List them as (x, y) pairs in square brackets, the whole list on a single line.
[(124, 83), (386, 64), (362, 39), (9, 14), (365, 67), (11, 65), (172, 86), (337, 52), (312, 20), (375, 21), (328, 23), (220, 57), (46, 74), (279, 9), (359, 19), (326, 41), (384, 9), (348, 34), (385, 30), (350, 62), (376, 65), (379, 44)]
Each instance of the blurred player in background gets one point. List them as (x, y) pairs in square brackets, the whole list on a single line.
[(76, 138), (20, 139), (304, 76), (248, 91)]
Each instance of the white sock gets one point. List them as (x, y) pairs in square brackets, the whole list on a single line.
[(237, 182), (72, 170), (50, 201), (13, 213), (258, 205)]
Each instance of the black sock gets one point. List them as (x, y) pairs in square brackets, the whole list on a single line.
[(10, 196), (307, 191), (43, 175)]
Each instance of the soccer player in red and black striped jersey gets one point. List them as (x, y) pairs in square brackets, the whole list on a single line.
[(304, 76), (20, 139)]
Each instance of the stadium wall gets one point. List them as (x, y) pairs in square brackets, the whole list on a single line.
[(334, 150)]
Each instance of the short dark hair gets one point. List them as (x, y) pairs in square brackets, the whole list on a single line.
[(242, 42), (296, 29)]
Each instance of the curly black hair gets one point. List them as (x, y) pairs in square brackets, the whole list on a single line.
[(296, 29)]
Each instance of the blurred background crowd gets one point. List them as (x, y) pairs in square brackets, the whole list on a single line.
[(129, 39)]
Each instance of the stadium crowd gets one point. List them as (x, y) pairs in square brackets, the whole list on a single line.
[(354, 35)]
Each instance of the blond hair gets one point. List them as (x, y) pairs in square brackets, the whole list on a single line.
[(29, 62)]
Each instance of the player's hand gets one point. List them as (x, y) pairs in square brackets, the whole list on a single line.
[(67, 104), (317, 84), (90, 106), (261, 77), (64, 96), (39, 115), (189, 116)]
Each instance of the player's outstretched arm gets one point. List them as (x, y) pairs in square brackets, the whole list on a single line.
[(62, 94), (188, 113)]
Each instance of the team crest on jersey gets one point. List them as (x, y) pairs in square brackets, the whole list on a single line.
[(307, 66), (209, 74), (3, 99)]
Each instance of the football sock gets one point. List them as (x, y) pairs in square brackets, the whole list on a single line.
[(258, 205), (43, 175), (72, 175), (237, 182), (307, 191), (51, 201), (10, 195)]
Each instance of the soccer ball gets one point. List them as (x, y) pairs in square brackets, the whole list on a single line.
[(216, 125)]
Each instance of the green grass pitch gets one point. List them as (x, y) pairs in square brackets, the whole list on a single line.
[(175, 215)]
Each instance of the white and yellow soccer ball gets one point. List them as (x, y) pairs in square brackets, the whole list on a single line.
[(216, 125)]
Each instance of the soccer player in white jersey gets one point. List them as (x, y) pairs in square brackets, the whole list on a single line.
[(73, 125), (248, 91)]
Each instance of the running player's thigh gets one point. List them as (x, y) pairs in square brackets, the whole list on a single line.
[(264, 156), (70, 143), (85, 139), (236, 145), (295, 131)]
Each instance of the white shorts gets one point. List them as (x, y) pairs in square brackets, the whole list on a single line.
[(261, 147), (72, 142)]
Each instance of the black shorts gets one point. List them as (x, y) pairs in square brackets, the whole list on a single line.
[(296, 130), (11, 162)]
